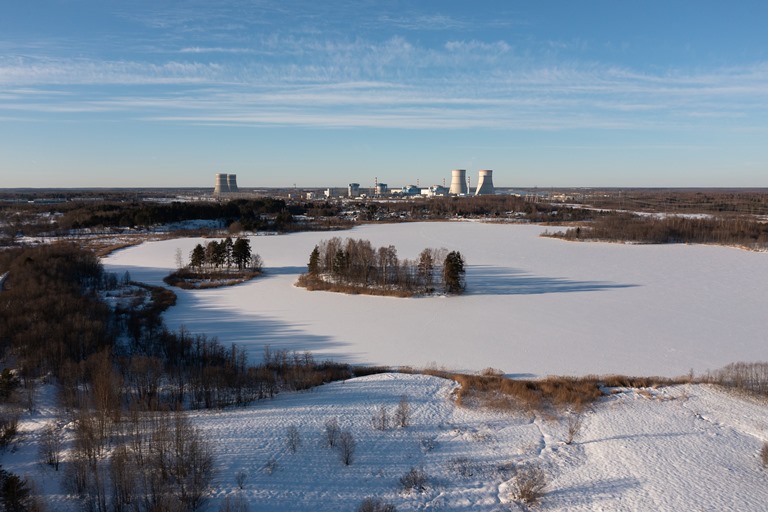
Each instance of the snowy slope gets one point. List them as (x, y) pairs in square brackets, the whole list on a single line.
[(534, 305), (682, 448)]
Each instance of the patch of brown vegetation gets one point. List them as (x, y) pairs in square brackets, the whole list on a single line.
[(490, 389), (310, 284), (188, 280)]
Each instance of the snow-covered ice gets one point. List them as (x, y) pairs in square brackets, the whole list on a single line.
[(534, 306)]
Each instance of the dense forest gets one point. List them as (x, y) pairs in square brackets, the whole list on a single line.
[(355, 266)]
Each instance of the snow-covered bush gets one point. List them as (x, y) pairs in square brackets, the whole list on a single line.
[(375, 505), (529, 484), (414, 480), (573, 422), (235, 503)]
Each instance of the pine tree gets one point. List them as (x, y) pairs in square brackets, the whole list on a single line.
[(313, 267), (453, 273)]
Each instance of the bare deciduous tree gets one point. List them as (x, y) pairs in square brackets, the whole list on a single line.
[(573, 422), (240, 478), (346, 447), (332, 431), (380, 418), (292, 438), (403, 412), (51, 444)]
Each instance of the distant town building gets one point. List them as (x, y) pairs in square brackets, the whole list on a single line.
[(411, 190), (435, 190), (353, 190)]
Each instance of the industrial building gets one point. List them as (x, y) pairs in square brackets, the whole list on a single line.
[(458, 182), (485, 184)]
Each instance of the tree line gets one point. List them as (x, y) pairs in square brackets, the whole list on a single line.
[(216, 255), (627, 227), (356, 266)]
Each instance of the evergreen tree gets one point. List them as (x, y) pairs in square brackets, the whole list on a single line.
[(241, 252), (197, 257), (426, 266), (14, 492), (453, 273), (313, 267)]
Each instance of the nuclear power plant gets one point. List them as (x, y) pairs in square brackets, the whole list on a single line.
[(232, 182), (458, 182), (225, 184), (485, 184)]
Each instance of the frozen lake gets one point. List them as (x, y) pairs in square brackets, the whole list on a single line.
[(534, 306)]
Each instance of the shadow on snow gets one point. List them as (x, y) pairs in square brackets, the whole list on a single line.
[(488, 280), (248, 331)]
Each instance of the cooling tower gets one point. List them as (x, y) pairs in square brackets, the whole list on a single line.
[(485, 184), (458, 182), (222, 187), (232, 182)]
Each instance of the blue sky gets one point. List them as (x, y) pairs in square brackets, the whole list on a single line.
[(110, 93)]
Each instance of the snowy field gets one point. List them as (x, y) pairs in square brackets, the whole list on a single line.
[(689, 447), (534, 306)]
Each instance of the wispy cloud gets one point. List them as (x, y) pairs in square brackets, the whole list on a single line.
[(299, 78)]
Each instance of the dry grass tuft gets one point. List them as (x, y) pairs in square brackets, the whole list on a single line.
[(188, 280), (350, 289), (529, 484)]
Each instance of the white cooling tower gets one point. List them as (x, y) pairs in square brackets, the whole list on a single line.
[(232, 182), (458, 182), (485, 184), (222, 187)]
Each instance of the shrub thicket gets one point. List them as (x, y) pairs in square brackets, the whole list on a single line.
[(414, 480), (751, 377), (375, 505)]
